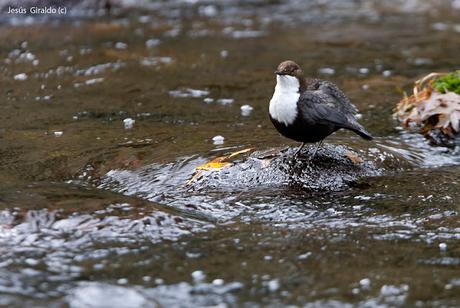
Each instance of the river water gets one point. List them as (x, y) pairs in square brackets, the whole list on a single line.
[(96, 214)]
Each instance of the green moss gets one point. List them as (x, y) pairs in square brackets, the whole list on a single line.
[(448, 83)]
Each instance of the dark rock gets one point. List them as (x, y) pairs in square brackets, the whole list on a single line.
[(333, 168), (437, 138)]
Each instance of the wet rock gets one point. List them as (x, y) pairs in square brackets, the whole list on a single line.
[(333, 168), (437, 138)]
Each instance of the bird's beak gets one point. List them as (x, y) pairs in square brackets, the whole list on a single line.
[(279, 73)]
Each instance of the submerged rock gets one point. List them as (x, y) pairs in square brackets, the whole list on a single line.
[(333, 168)]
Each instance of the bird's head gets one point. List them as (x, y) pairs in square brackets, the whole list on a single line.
[(289, 68)]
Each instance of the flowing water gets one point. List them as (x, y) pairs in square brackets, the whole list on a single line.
[(95, 213)]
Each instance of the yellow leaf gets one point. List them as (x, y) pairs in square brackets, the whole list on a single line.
[(218, 163), (213, 165), (240, 152)]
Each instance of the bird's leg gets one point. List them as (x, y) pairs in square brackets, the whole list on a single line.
[(316, 150), (299, 149)]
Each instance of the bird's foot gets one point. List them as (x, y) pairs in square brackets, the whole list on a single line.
[(296, 154)]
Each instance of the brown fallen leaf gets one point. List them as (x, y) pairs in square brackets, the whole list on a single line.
[(355, 159), (428, 109), (447, 107)]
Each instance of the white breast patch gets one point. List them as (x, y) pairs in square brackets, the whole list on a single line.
[(283, 105)]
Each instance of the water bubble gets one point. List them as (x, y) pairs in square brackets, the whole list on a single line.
[(304, 256), (193, 255), (365, 283), (225, 101), (273, 285), (93, 81), (153, 42), (173, 32), (21, 77), (362, 197), (31, 261), (440, 26), (14, 53), (246, 110), (122, 281), (326, 71), (98, 266), (387, 73), (391, 290), (363, 70), (241, 34), (198, 276), (152, 61), (159, 281), (144, 19), (422, 61), (218, 282), (188, 93), (26, 56), (224, 53), (443, 247), (128, 123), (217, 140), (120, 45), (208, 10)]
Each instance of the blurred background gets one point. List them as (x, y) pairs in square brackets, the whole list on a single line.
[(106, 110)]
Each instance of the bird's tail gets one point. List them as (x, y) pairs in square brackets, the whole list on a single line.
[(360, 130), (363, 133)]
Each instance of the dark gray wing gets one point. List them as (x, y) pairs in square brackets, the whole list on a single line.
[(322, 108), (337, 97), (319, 108)]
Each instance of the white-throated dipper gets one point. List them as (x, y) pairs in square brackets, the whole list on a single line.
[(308, 110)]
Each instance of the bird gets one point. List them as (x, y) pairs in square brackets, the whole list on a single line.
[(308, 110)]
